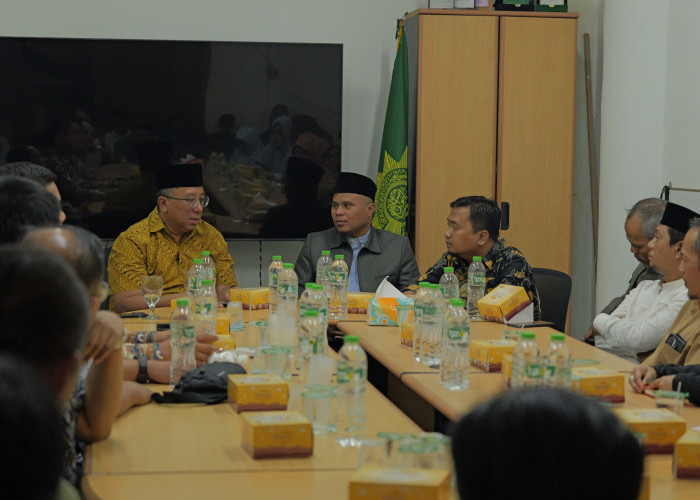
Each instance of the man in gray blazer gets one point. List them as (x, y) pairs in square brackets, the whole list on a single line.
[(371, 253)]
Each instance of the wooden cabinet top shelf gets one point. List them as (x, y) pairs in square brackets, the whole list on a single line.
[(484, 12)]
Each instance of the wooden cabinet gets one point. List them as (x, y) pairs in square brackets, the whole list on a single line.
[(494, 111)]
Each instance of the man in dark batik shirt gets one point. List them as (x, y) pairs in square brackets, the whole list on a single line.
[(472, 230)]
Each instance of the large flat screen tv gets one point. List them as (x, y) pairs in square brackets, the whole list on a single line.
[(103, 114)]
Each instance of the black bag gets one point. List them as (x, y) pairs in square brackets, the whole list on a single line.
[(207, 384)]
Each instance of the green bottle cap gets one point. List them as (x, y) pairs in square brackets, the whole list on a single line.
[(449, 269), (351, 339), (313, 313), (476, 259), (527, 335), (423, 284), (558, 337), (276, 258), (457, 303), (309, 286), (206, 253), (206, 282), (434, 286), (325, 252), (288, 265), (182, 302), (340, 257), (197, 261)]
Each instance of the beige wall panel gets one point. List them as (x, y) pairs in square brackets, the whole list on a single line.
[(536, 136), (456, 122)]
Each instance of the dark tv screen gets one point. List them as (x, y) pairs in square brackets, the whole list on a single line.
[(104, 114)]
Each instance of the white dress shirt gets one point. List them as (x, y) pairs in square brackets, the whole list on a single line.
[(642, 319)]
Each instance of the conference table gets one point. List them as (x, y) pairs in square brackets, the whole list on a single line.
[(193, 451)]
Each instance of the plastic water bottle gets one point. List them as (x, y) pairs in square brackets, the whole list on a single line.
[(311, 338), (322, 299), (313, 299), (449, 284), (193, 278), (339, 288), (351, 369), (288, 289), (557, 363), (272, 274), (205, 308), (527, 365), (431, 326), (323, 272), (182, 338), (476, 279), (208, 267), (454, 367), (418, 309)]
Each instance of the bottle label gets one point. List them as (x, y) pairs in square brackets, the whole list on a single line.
[(477, 280), (288, 288), (188, 331), (347, 374), (533, 370), (458, 333), (273, 280), (338, 277)]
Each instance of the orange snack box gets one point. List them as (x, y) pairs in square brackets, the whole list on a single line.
[(223, 342), (222, 324), (598, 382), (488, 354), (686, 456), (407, 333), (276, 434), (400, 484), (661, 427), (251, 298), (358, 302), (503, 302), (257, 392)]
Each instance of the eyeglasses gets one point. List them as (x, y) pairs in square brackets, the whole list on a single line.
[(102, 293), (193, 202)]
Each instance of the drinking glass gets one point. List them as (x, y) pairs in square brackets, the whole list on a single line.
[(152, 289)]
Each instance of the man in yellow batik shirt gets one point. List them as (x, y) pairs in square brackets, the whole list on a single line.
[(165, 242)]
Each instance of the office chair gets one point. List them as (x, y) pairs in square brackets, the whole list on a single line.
[(554, 289)]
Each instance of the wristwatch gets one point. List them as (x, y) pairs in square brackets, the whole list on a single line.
[(142, 377)]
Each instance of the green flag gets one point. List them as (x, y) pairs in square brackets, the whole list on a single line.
[(392, 177)]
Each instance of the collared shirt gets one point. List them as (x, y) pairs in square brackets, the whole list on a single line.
[(686, 327), (504, 265), (147, 248), (356, 244), (641, 320), (641, 273)]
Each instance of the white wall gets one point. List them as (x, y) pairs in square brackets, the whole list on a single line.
[(364, 27), (633, 114)]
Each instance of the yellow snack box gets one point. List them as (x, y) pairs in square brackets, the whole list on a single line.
[(382, 311), (251, 298), (223, 342), (358, 302), (257, 392), (400, 484), (503, 302), (686, 456), (222, 324), (661, 427), (276, 434), (507, 367), (488, 354), (407, 332), (599, 382)]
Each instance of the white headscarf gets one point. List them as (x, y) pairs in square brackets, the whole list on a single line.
[(275, 158), (250, 136)]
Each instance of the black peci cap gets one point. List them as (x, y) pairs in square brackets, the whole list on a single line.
[(677, 217), (183, 175), (349, 182)]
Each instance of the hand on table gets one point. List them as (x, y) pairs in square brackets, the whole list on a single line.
[(223, 293), (106, 334), (664, 383), (641, 377)]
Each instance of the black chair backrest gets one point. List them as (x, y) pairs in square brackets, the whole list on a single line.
[(554, 289)]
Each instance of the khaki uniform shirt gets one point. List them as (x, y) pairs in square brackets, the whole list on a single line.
[(686, 326)]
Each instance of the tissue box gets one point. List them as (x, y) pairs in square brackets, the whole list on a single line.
[(358, 302), (507, 367), (503, 302), (488, 354), (258, 392), (686, 456), (383, 311), (598, 382), (223, 342), (251, 298), (661, 427), (276, 434), (400, 484), (222, 323)]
